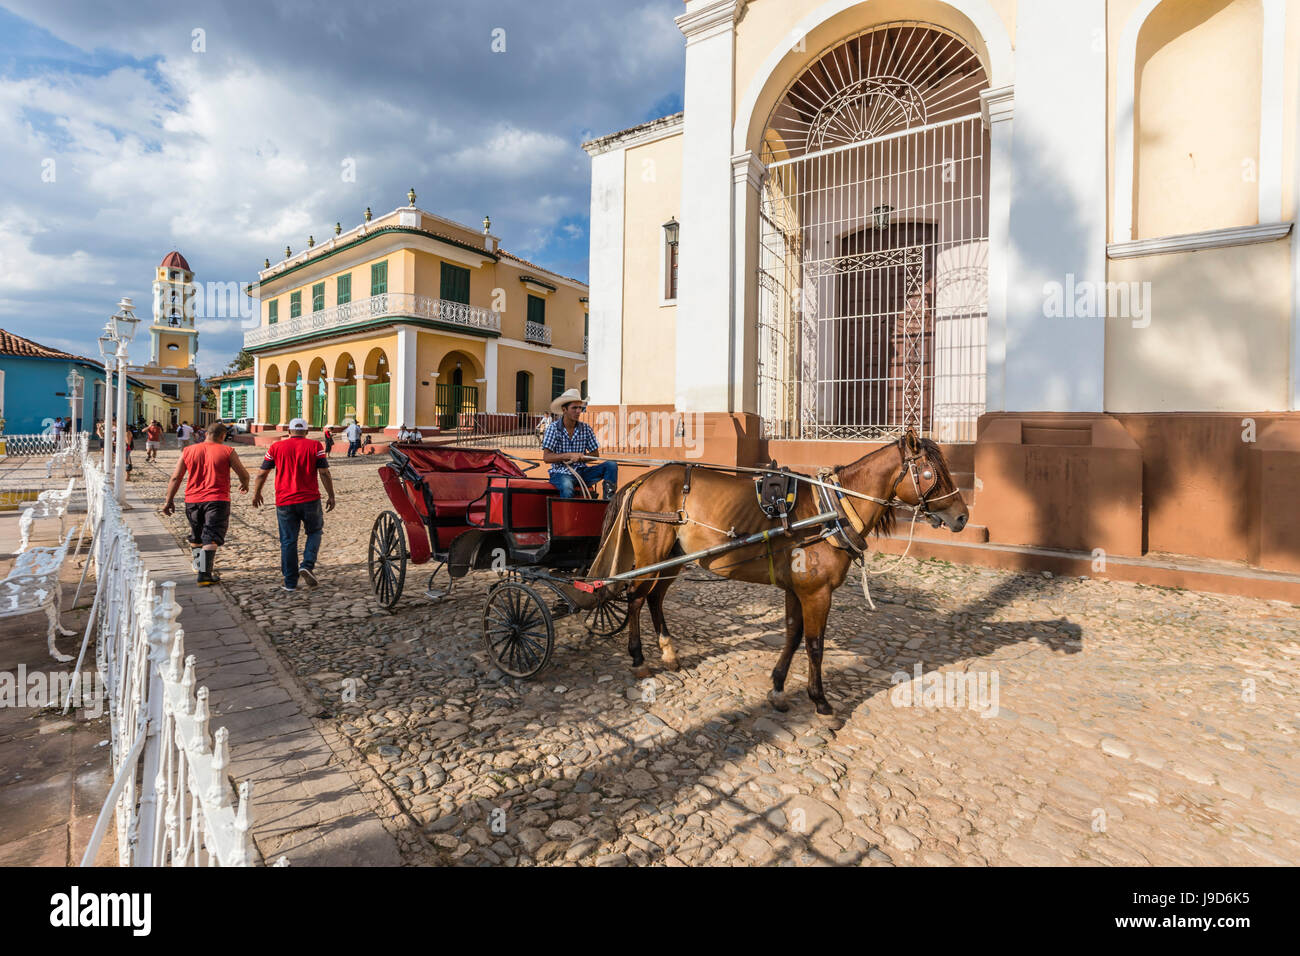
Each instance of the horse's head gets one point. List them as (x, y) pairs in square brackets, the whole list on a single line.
[(924, 480)]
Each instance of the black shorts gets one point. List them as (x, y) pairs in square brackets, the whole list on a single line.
[(208, 521)]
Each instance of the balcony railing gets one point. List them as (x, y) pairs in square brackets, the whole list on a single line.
[(584, 345), (376, 307), (537, 332)]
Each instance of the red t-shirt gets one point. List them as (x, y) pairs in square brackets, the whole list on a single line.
[(153, 433), (208, 467), (296, 460)]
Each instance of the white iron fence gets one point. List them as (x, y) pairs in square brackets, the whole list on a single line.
[(171, 793)]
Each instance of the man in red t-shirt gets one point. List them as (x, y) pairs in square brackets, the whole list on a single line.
[(152, 441), (298, 462), (207, 496)]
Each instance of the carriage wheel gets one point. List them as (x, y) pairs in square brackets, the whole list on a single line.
[(607, 618), (518, 630), (387, 559)]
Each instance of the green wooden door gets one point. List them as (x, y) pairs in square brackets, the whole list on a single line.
[(347, 403)]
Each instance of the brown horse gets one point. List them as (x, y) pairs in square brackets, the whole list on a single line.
[(806, 565)]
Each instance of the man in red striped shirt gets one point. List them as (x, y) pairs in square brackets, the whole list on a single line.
[(298, 462)]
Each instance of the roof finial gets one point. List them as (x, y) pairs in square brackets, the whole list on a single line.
[(338, 227), (367, 214), (487, 224), (287, 252), (410, 195)]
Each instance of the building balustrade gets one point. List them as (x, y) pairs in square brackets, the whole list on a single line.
[(376, 307)]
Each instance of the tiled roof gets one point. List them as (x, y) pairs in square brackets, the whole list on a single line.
[(533, 265), (229, 376), (11, 344), (174, 260)]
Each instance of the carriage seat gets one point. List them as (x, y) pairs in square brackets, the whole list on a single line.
[(453, 492)]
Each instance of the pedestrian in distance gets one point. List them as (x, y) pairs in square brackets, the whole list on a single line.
[(152, 441), (299, 464), (207, 497), (353, 434)]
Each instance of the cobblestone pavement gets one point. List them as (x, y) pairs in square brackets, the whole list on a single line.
[(1134, 725)]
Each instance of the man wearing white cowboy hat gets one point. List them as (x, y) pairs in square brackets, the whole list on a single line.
[(569, 444)]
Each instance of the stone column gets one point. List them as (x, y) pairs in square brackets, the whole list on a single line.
[(705, 323), (998, 106)]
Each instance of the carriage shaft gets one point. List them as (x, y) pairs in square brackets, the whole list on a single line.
[(757, 537)]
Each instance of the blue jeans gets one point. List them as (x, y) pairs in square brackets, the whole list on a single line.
[(309, 515), (606, 471), (353, 448)]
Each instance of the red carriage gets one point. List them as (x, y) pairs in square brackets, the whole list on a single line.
[(475, 509)]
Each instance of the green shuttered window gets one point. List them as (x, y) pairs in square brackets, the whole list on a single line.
[(455, 284), (379, 278), (345, 289)]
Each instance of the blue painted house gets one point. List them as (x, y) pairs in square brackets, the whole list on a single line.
[(236, 396), (34, 387)]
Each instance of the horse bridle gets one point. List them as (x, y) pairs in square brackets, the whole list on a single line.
[(909, 469)]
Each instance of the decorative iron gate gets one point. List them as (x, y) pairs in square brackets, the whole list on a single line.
[(873, 292), (453, 401)]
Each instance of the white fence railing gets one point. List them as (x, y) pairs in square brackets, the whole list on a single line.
[(171, 793), (42, 444)]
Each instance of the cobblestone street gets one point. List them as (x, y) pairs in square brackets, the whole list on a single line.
[(1134, 725)]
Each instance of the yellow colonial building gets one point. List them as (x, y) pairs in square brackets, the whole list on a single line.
[(410, 318)]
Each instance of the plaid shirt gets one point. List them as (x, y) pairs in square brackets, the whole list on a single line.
[(558, 440)]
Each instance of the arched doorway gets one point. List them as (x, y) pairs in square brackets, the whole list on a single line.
[(457, 394), (523, 395), (377, 378), (271, 391), (316, 392), (345, 376), (293, 378), (873, 247)]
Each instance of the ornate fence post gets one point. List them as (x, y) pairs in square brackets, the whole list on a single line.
[(161, 631)]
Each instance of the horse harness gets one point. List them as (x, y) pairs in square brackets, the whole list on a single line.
[(777, 492)]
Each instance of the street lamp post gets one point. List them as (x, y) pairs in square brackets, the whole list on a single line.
[(124, 323), (106, 352), (74, 396)]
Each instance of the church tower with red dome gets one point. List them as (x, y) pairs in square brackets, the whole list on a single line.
[(173, 337), (171, 376)]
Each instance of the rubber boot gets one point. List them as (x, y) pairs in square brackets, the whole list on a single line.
[(206, 576), (197, 563)]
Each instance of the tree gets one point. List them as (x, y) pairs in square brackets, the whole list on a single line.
[(240, 362)]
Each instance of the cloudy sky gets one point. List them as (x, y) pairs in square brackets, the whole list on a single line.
[(119, 140)]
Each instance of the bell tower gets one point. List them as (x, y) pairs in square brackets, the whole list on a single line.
[(174, 340)]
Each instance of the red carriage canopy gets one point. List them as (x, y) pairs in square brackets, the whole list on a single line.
[(434, 458)]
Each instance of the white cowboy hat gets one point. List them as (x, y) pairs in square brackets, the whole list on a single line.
[(572, 395)]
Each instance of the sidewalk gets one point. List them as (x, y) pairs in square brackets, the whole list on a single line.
[(306, 807)]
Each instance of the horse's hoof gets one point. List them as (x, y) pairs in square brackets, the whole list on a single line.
[(673, 665), (824, 710), (642, 672), (778, 701)]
